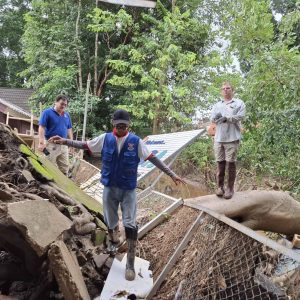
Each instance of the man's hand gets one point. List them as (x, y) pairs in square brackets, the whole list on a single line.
[(177, 179), (218, 116), (57, 140), (41, 146), (221, 120)]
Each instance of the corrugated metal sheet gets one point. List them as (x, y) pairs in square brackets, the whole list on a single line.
[(164, 146)]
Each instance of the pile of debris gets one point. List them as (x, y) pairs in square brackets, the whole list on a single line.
[(51, 245), (52, 239)]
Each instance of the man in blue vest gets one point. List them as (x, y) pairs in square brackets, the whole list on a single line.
[(121, 152)]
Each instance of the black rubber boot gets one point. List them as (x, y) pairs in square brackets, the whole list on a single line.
[(113, 240), (113, 235), (220, 178), (131, 237), (231, 179)]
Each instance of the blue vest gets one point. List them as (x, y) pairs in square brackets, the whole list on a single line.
[(120, 169)]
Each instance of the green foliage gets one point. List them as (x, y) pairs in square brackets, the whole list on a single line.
[(271, 90), (155, 71), (198, 157), (49, 49), (11, 30)]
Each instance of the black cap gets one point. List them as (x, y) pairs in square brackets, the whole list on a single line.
[(121, 116)]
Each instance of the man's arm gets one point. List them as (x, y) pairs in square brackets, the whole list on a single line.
[(41, 144), (239, 116), (70, 143), (163, 167), (215, 115), (70, 133), (145, 154)]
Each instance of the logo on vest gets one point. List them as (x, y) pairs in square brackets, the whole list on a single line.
[(130, 147)]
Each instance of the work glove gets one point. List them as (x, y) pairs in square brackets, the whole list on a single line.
[(218, 116), (221, 120)]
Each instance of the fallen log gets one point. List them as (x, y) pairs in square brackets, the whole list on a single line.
[(259, 210)]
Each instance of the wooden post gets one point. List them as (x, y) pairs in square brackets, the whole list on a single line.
[(7, 118), (31, 124)]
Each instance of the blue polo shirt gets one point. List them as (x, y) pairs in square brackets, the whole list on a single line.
[(54, 123)]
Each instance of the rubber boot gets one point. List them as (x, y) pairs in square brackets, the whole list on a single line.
[(113, 235), (220, 178), (131, 237), (113, 240), (231, 179)]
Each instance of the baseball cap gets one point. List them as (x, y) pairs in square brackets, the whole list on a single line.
[(121, 116)]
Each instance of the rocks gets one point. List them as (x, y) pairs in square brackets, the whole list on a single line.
[(40, 222), (67, 272)]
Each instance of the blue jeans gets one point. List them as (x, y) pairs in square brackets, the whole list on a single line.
[(112, 197)]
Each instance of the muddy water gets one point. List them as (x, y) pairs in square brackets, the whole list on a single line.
[(190, 190)]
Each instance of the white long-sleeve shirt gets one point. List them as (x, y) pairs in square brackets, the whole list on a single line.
[(234, 110)]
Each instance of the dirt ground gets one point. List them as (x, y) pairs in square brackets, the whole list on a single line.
[(159, 244)]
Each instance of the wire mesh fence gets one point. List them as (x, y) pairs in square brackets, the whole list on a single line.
[(150, 206), (227, 264)]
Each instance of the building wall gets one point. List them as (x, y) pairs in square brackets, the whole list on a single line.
[(22, 126)]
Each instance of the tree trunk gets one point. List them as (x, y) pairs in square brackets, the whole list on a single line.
[(156, 120), (79, 63)]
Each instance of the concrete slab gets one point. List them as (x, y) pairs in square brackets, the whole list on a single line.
[(118, 288), (67, 272), (40, 222)]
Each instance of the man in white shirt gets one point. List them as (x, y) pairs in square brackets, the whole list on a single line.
[(121, 152), (227, 114)]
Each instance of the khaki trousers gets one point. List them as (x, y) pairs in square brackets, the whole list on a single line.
[(59, 155)]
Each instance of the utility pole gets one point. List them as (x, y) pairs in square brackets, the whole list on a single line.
[(86, 106)]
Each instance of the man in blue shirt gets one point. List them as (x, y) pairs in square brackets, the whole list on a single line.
[(56, 121)]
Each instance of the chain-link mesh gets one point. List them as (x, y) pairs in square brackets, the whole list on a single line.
[(150, 206), (141, 194), (227, 264)]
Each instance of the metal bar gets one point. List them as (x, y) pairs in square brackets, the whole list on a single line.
[(247, 231), (139, 3), (174, 257), (166, 196), (159, 218)]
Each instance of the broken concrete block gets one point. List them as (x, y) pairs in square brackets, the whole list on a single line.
[(40, 222), (100, 260), (67, 272), (81, 258)]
